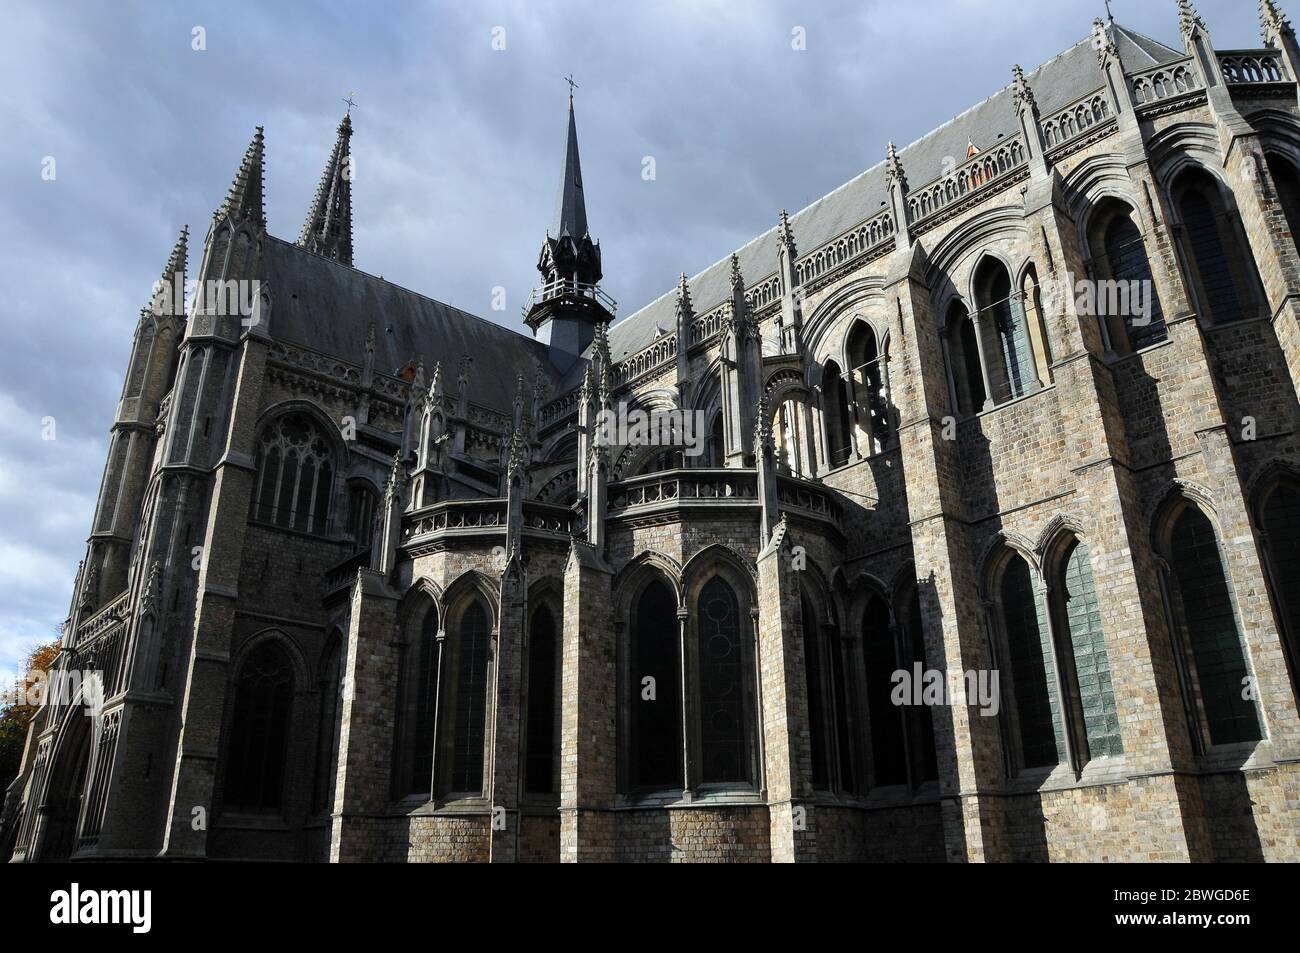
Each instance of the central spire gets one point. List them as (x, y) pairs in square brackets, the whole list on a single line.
[(565, 310), (571, 206)]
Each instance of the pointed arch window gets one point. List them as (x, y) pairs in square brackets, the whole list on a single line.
[(724, 735), (422, 706), (1032, 665), (1011, 369), (923, 756), (835, 409), (463, 709), (1222, 268), (259, 735), (717, 443), (888, 754), (814, 672), (1092, 695), (794, 450), (964, 361), (1279, 519), (830, 733), (362, 500), (542, 744), (869, 369), (1287, 183), (1120, 255), (1204, 614), (294, 483), (329, 723), (655, 705)]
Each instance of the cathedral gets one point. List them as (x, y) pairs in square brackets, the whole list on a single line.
[(974, 534)]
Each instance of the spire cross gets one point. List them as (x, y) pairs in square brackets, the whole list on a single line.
[(1109, 16), (572, 85), (350, 101)]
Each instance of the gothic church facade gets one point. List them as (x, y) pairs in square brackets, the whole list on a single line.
[(363, 584)]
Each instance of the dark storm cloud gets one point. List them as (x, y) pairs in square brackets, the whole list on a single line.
[(458, 149)]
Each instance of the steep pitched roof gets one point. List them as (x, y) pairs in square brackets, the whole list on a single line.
[(1057, 83), (328, 306)]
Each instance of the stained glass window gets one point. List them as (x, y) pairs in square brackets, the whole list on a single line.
[(723, 750), (260, 731), (543, 669), (1091, 666), (1038, 709), (655, 704), (1207, 613)]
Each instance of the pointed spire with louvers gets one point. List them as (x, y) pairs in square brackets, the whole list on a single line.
[(328, 229), (244, 200)]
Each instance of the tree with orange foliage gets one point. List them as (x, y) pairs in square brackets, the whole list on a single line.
[(15, 717)]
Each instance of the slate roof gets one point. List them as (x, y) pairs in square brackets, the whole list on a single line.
[(328, 306), (1057, 83)]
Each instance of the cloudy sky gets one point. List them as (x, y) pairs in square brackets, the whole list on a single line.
[(458, 148)]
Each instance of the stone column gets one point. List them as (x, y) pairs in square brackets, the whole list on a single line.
[(588, 764), (969, 746), (363, 779), (787, 749), (214, 616), (505, 783)]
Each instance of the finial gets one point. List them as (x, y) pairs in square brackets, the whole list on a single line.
[(894, 168), (785, 234), (1272, 21), (572, 86), (737, 281), (244, 199), (684, 305), (1024, 95), (351, 102), (1188, 19), (762, 425)]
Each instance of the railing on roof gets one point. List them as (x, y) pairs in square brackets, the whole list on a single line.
[(764, 293), (659, 352), (975, 174), (669, 489), (562, 407), (1165, 81), (454, 518), (844, 248), (709, 325), (1247, 67), (564, 287), (806, 498), (1076, 118)]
